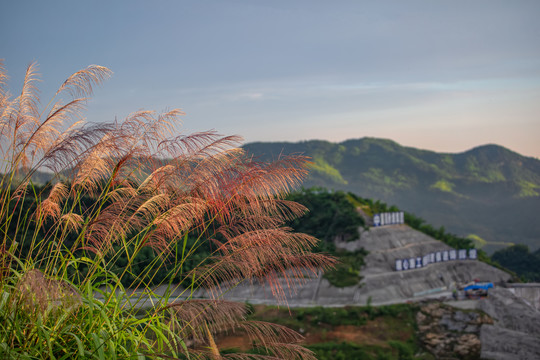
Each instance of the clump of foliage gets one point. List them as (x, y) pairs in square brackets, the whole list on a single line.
[(346, 350), (394, 338), (347, 271), (332, 215), (129, 190), (520, 260), (354, 315)]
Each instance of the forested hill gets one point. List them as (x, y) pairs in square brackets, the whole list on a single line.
[(488, 192)]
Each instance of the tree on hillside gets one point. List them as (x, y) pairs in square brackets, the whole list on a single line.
[(520, 260), (331, 214)]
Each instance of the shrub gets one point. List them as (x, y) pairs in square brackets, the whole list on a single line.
[(128, 203)]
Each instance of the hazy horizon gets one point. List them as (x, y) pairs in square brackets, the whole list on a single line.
[(440, 76)]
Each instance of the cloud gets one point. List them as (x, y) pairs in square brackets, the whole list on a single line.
[(250, 96)]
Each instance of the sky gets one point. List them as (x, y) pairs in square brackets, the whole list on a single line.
[(438, 75)]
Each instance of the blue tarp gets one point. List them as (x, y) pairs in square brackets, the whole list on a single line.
[(482, 286)]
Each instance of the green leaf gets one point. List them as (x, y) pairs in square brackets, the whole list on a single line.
[(80, 346)]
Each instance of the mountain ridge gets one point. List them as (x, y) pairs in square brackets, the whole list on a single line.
[(487, 191)]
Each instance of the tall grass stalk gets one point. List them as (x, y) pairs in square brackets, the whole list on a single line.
[(70, 251)]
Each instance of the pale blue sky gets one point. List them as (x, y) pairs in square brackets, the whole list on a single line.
[(438, 75)]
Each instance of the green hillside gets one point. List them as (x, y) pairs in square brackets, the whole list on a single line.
[(489, 191)]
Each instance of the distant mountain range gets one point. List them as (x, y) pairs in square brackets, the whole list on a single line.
[(488, 193)]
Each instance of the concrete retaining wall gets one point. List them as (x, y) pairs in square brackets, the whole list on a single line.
[(529, 292)]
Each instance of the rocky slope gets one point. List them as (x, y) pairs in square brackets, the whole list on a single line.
[(501, 326), (384, 285), (381, 284), (450, 333), (515, 332)]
